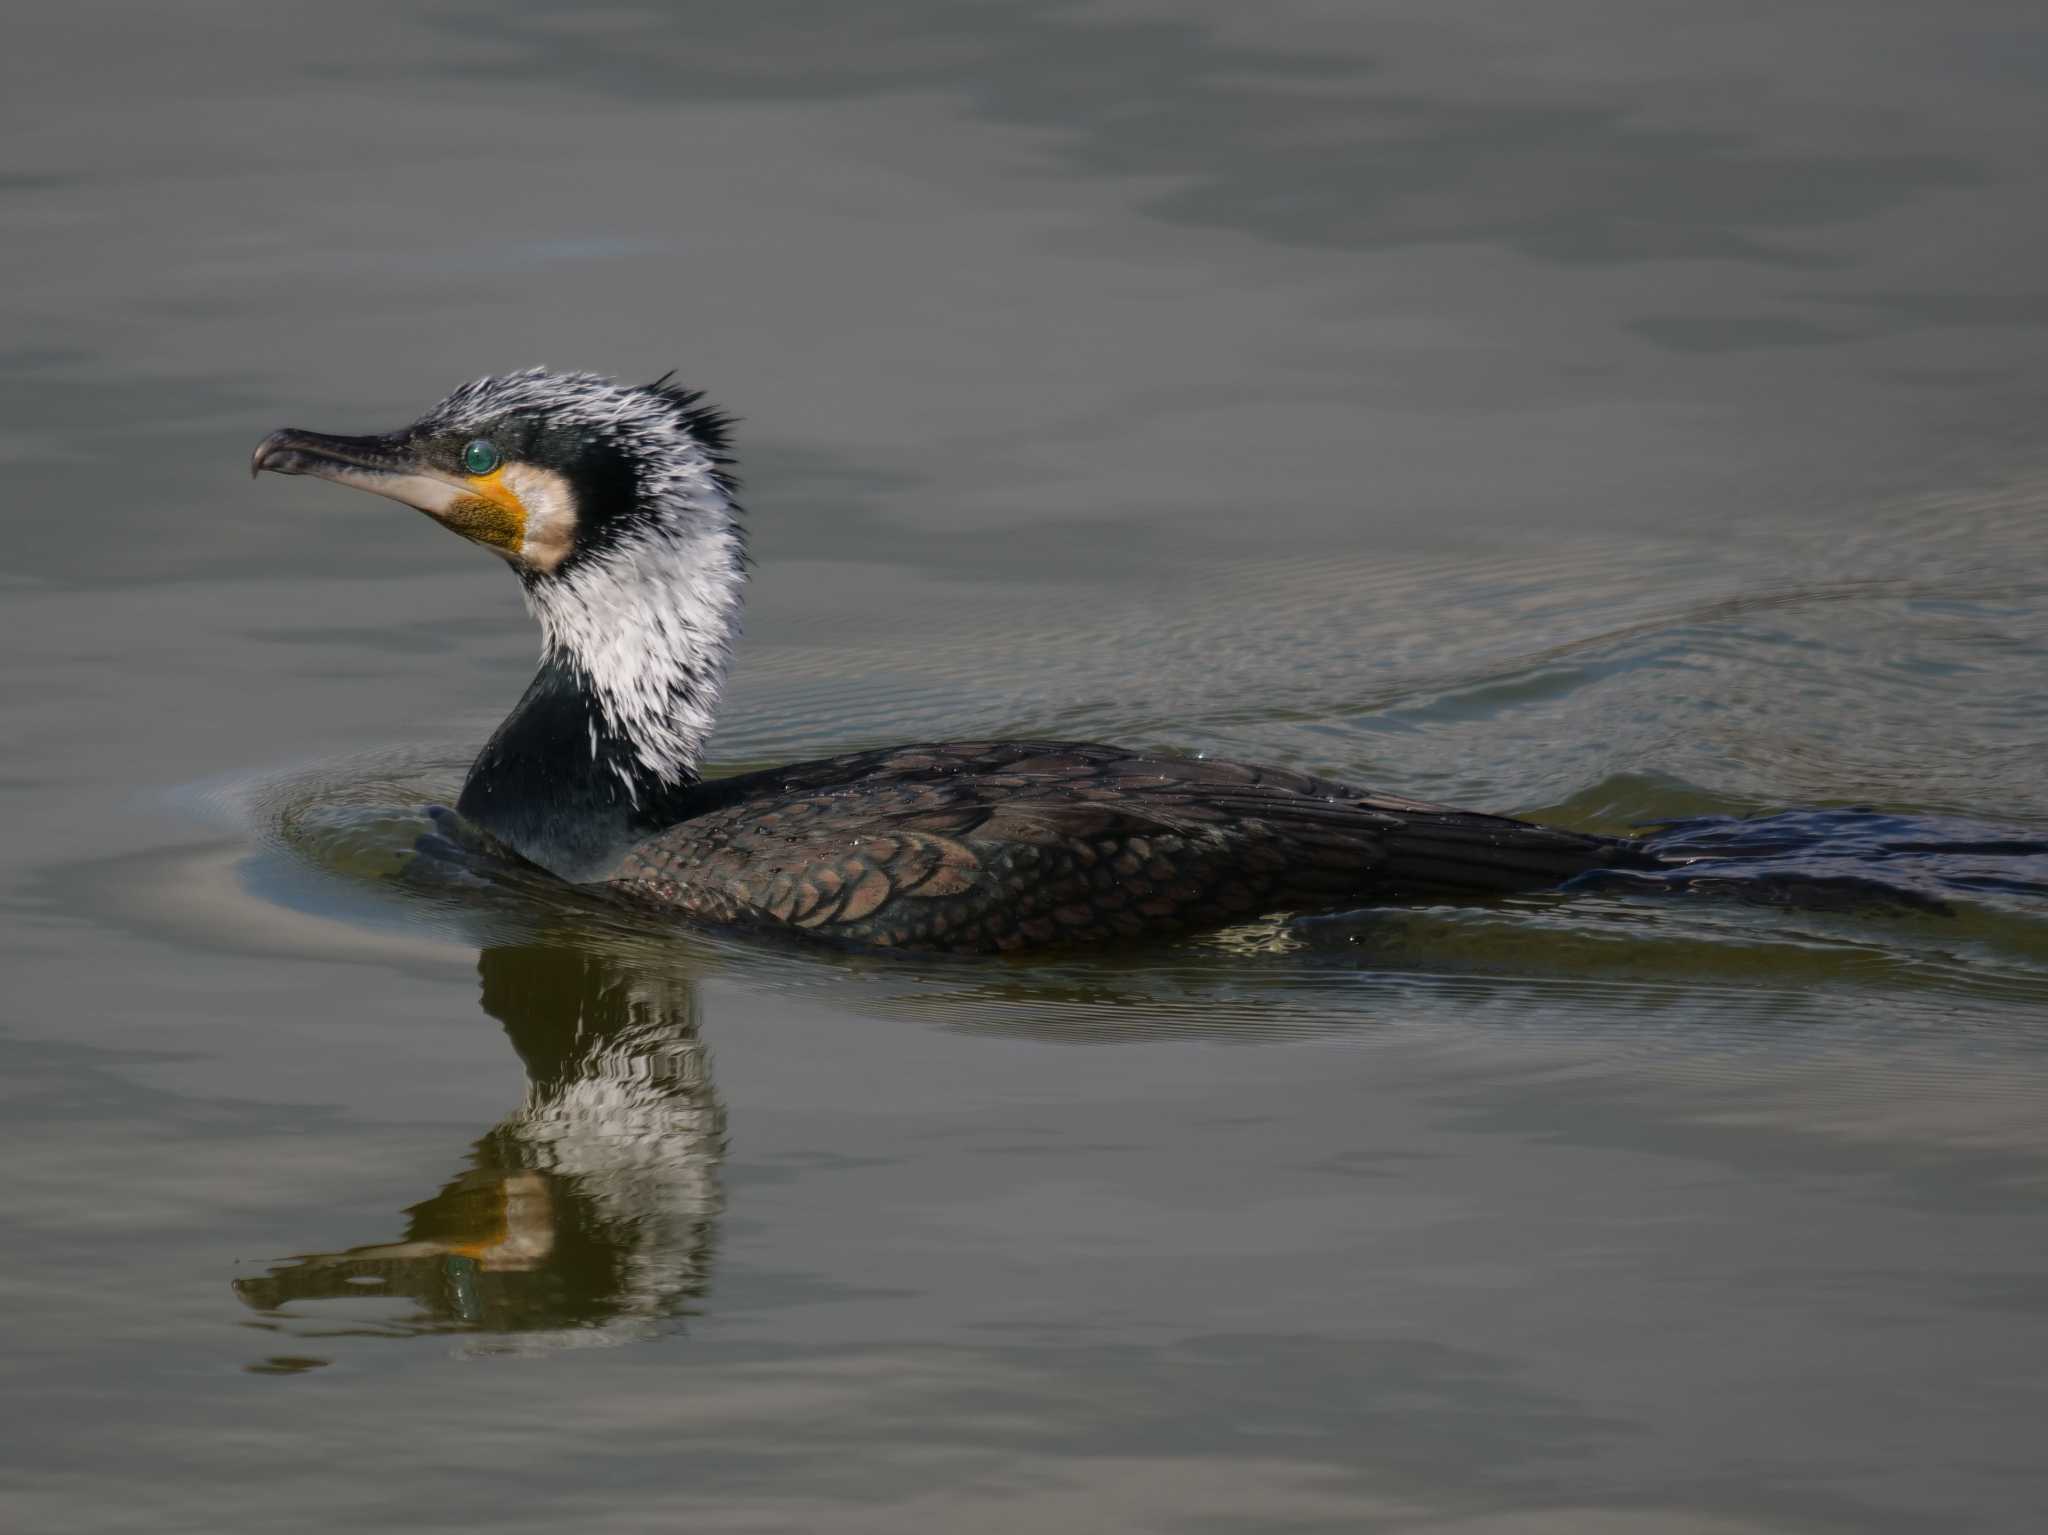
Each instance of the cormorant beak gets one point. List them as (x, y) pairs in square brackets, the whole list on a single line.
[(483, 508), (380, 465)]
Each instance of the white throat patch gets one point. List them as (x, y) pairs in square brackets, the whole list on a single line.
[(550, 505)]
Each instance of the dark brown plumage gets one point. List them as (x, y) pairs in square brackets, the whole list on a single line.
[(979, 847)]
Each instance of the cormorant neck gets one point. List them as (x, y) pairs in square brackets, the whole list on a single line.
[(607, 741), (560, 786)]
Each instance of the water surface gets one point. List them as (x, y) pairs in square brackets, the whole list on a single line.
[(1611, 413)]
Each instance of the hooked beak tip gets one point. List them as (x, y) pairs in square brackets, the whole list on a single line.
[(269, 453), (291, 451)]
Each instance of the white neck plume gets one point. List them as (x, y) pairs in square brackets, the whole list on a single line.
[(652, 624)]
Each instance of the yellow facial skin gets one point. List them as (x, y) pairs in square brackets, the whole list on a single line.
[(491, 514), (522, 512)]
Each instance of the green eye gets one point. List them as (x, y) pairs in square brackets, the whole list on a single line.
[(481, 456)]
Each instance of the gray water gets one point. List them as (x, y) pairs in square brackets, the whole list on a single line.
[(1606, 412)]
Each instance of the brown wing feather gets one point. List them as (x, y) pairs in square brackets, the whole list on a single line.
[(991, 846)]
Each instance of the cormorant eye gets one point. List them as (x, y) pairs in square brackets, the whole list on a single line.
[(481, 456)]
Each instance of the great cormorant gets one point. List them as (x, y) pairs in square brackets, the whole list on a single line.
[(616, 508)]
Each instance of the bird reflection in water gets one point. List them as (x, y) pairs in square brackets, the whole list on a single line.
[(591, 1213)]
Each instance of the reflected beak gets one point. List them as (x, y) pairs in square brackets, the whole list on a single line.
[(381, 465)]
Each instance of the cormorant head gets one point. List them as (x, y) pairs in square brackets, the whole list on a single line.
[(615, 505), (555, 472)]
